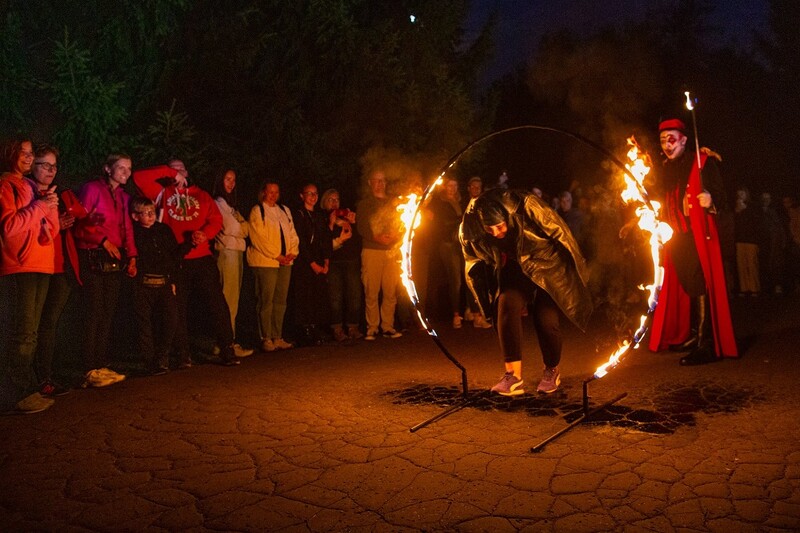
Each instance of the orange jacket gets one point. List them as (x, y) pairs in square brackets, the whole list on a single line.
[(27, 228)]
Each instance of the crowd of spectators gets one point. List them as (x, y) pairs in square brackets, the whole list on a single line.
[(184, 255)]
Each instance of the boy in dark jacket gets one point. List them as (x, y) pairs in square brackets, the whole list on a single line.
[(154, 295)]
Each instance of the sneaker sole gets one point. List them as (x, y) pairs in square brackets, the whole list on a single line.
[(515, 392), (550, 391)]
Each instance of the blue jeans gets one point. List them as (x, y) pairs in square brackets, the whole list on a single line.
[(57, 295), (344, 289), (23, 299)]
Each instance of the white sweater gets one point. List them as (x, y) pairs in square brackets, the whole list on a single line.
[(265, 235), (234, 228)]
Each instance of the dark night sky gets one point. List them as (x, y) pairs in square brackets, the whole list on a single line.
[(522, 23)]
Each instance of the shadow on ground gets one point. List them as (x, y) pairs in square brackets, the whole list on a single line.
[(672, 407)]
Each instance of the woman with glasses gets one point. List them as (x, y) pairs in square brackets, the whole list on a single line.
[(28, 227), (66, 271), (310, 272)]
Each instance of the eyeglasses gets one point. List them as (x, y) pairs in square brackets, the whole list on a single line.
[(47, 166), (146, 212)]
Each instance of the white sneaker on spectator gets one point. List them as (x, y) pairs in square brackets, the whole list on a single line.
[(480, 322), (468, 316), (117, 377), (457, 322), (268, 345), (238, 351), (281, 344)]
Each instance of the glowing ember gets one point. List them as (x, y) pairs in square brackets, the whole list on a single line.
[(660, 232), (410, 217)]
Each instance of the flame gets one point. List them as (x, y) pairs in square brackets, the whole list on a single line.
[(660, 232), (410, 218)]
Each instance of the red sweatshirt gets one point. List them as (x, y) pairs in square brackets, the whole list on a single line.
[(184, 211)]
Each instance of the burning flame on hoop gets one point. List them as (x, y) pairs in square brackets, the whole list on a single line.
[(660, 232), (410, 217)]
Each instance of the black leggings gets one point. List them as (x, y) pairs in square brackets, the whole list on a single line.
[(515, 293)]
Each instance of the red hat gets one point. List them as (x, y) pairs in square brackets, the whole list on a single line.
[(672, 124)]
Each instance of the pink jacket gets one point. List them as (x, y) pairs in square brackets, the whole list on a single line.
[(110, 218), (27, 228)]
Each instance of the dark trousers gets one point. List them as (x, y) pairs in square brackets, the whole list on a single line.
[(344, 288), (100, 296), (516, 291), (23, 296), (453, 263), (198, 282), (310, 294), (687, 263), (57, 295), (156, 311)]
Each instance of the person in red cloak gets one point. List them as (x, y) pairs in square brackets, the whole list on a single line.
[(692, 314)]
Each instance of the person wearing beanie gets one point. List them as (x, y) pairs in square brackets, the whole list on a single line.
[(518, 251), (692, 313)]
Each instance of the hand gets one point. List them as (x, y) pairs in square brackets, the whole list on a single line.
[(332, 219), (704, 198), (325, 269), (65, 220), (316, 268), (346, 234), (131, 270), (198, 238), (174, 289), (112, 249), (351, 217), (50, 198)]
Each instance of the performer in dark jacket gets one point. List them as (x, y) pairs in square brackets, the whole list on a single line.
[(533, 257), (692, 313)]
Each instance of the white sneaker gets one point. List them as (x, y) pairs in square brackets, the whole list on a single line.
[(468, 316), (115, 376), (268, 345), (97, 378), (457, 322), (480, 322), (238, 351), (281, 344)]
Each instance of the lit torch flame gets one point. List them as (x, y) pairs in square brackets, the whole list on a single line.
[(410, 217), (660, 232)]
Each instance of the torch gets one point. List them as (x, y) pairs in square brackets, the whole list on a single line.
[(690, 107)]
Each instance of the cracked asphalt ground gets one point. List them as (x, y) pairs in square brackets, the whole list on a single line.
[(317, 439)]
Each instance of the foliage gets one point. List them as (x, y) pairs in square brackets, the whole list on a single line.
[(16, 80), (88, 104)]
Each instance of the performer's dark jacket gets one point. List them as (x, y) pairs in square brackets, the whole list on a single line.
[(546, 251), (692, 259)]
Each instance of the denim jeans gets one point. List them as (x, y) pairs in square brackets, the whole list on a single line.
[(24, 295), (344, 289), (57, 295)]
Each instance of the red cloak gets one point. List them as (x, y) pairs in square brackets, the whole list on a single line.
[(671, 318)]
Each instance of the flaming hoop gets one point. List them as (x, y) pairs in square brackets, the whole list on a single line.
[(410, 215), (660, 232)]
